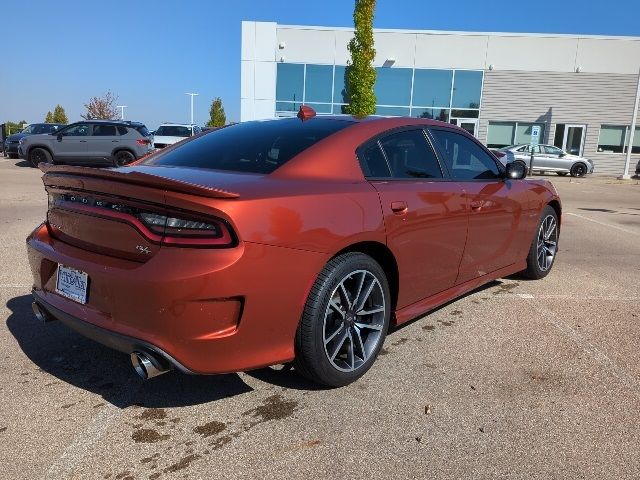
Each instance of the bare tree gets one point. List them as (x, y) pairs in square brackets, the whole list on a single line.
[(101, 108)]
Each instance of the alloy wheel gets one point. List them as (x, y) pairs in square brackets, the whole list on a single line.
[(354, 320), (547, 242)]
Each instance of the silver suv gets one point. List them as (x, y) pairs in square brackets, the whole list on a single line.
[(92, 142)]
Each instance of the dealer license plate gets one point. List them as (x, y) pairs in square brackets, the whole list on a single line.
[(72, 283)]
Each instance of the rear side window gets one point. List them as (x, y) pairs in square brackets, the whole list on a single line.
[(254, 147), (104, 131), (465, 159), (122, 130), (410, 155), (143, 131), (373, 162)]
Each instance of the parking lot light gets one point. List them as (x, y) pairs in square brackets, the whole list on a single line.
[(192, 95)]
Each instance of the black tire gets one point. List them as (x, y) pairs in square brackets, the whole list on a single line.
[(578, 170), (562, 174), (122, 158), (536, 266), (39, 155), (13, 156), (312, 352)]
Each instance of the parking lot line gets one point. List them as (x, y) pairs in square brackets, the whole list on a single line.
[(602, 223)]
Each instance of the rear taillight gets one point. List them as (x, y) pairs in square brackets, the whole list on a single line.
[(498, 154), (143, 141), (186, 231), (166, 227)]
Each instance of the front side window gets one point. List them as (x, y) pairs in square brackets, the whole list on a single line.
[(410, 156), (80, 130), (254, 147), (465, 159)]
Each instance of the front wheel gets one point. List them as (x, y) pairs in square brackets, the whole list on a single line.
[(544, 246), (39, 155), (345, 321), (578, 170)]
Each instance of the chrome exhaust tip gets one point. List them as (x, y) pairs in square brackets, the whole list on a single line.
[(146, 365), (40, 313)]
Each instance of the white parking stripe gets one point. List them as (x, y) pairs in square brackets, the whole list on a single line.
[(603, 223)]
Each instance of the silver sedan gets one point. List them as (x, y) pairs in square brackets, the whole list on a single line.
[(547, 158)]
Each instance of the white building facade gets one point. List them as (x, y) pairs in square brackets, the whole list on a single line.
[(579, 89)]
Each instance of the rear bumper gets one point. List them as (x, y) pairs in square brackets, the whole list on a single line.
[(208, 311), (117, 341)]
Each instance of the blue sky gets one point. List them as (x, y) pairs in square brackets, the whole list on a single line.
[(150, 53)]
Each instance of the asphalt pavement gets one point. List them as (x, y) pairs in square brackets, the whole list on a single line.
[(519, 379)]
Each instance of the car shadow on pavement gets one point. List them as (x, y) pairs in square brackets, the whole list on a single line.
[(78, 361)]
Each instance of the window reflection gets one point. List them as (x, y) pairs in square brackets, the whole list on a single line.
[(339, 89), (467, 89), (290, 82), (432, 88), (318, 83), (392, 111), (441, 114), (393, 86)]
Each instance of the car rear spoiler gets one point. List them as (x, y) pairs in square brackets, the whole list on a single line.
[(134, 177)]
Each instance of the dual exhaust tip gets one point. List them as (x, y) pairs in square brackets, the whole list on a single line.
[(145, 364)]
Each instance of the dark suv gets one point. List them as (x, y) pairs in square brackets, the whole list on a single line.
[(92, 142)]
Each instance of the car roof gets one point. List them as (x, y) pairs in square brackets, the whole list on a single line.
[(178, 125)]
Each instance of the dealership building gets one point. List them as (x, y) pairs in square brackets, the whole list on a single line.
[(580, 89)]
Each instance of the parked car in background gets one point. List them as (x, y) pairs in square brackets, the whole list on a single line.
[(92, 142), (198, 259), (170, 133), (547, 158), (12, 141)]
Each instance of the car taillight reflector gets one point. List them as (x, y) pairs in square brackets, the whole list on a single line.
[(143, 141)]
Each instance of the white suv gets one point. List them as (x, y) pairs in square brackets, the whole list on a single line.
[(170, 133)]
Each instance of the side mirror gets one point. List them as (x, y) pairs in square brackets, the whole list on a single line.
[(516, 170)]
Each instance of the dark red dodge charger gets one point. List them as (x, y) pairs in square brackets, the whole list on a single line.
[(300, 239)]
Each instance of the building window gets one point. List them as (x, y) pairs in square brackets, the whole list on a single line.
[(503, 134), (615, 138), (432, 88), (393, 86), (421, 93), (318, 83), (467, 89)]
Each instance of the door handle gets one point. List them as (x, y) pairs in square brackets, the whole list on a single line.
[(476, 204), (115, 141), (83, 141), (399, 208)]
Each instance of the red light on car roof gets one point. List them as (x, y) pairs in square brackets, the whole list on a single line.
[(306, 112)]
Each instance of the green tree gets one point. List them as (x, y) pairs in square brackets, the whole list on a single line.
[(49, 118), (216, 114), (59, 115), (15, 127), (361, 75)]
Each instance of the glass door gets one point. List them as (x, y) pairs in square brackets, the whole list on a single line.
[(570, 138), (468, 124)]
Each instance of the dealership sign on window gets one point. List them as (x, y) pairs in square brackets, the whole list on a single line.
[(535, 134)]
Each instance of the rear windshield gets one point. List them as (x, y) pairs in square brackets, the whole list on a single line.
[(143, 131), (173, 131), (254, 147)]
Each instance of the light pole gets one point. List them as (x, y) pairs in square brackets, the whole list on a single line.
[(192, 95), (625, 175), (121, 107)]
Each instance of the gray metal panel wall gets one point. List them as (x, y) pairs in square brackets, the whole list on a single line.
[(581, 98)]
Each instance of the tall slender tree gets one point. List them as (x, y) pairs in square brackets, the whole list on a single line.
[(216, 114), (361, 75)]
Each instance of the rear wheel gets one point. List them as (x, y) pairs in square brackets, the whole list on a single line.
[(544, 246), (39, 155), (122, 158), (344, 322), (579, 170)]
